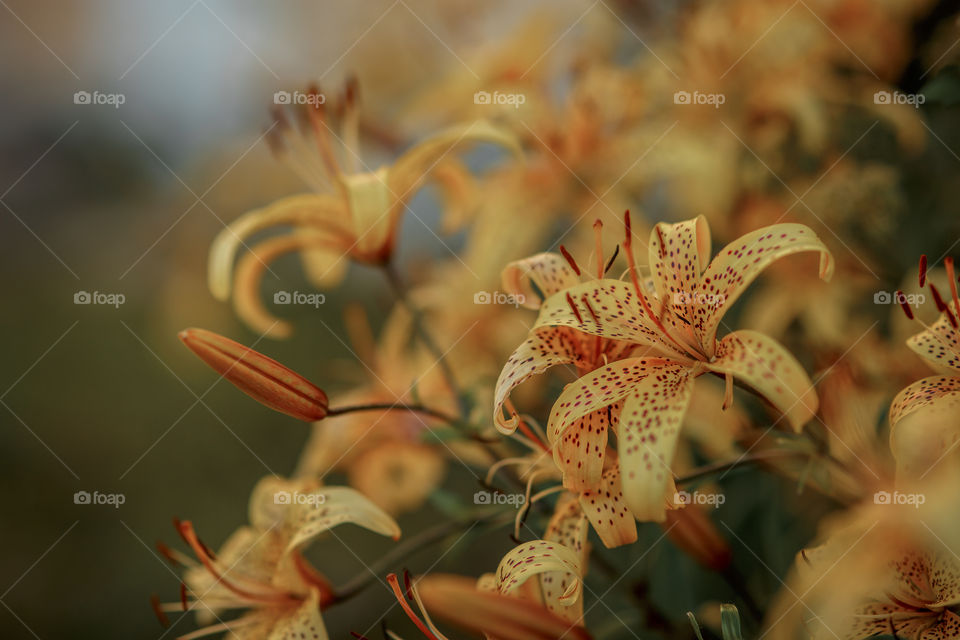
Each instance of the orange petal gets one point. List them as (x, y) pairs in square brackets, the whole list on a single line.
[(262, 378)]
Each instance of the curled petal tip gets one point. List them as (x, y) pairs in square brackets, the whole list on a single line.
[(260, 377)]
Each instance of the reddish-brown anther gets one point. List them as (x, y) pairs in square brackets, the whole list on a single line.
[(260, 377)]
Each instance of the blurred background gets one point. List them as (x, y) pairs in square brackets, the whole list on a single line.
[(121, 199)]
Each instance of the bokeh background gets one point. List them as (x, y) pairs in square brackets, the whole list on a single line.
[(125, 200)]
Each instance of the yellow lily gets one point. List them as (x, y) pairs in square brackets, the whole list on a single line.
[(352, 213), (675, 318)]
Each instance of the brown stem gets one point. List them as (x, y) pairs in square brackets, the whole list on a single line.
[(392, 406)]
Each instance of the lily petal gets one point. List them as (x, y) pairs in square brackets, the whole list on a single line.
[(608, 513), (943, 392), (544, 348), (568, 527), (549, 272), (538, 557), (580, 452), (303, 624), (678, 254), (323, 509), (923, 425), (740, 262), (940, 344), (764, 364), (599, 389), (320, 211), (649, 428)]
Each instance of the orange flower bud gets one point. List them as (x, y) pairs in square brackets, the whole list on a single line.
[(262, 378)]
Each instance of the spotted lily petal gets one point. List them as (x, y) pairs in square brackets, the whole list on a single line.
[(940, 344), (599, 389), (765, 365), (941, 392), (318, 511), (606, 308), (581, 449), (923, 425), (544, 348), (321, 212), (262, 378), (542, 557), (568, 526), (647, 440), (303, 624), (678, 254), (608, 513), (740, 262), (549, 272)]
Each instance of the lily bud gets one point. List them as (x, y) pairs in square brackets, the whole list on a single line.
[(262, 378)]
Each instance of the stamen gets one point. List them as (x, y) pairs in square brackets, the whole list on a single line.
[(948, 263), (569, 258), (406, 584), (598, 236), (317, 114), (923, 269), (590, 309), (941, 305), (728, 392), (158, 611), (358, 636), (616, 252), (183, 596), (350, 127), (573, 306), (395, 585), (904, 305)]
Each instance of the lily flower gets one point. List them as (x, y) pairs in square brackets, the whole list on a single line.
[(260, 567), (676, 317), (354, 211), (922, 416)]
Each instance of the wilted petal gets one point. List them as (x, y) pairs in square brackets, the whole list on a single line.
[(608, 513), (562, 592), (323, 213), (323, 509), (262, 378), (766, 366), (740, 262), (543, 349), (503, 617), (649, 428), (599, 389), (549, 272)]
